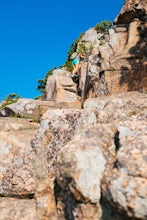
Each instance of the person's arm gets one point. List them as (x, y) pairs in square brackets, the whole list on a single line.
[(81, 55)]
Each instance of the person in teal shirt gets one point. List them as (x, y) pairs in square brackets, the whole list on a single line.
[(76, 63)]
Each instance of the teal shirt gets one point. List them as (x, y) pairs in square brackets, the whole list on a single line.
[(75, 61)]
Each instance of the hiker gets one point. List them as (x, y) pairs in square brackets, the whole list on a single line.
[(76, 63)]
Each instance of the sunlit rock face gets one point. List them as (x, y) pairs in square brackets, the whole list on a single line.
[(94, 159), (130, 10), (17, 184), (118, 63)]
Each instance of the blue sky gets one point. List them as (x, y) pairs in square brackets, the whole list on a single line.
[(35, 36)]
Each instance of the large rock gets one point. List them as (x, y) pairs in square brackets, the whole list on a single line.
[(65, 147), (82, 90), (118, 107), (61, 89), (58, 127), (118, 62), (87, 163), (34, 109), (127, 185), (80, 168), (17, 209), (25, 108), (130, 10), (125, 182), (16, 156)]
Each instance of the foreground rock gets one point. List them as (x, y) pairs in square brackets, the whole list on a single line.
[(80, 168), (81, 159), (128, 181), (16, 156), (18, 209), (57, 128), (34, 109), (17, 185)]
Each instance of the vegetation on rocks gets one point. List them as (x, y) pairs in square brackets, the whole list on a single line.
[(103, 29), (84, 50), (73, 48), (80, 48), (42, 82), (11, 98)]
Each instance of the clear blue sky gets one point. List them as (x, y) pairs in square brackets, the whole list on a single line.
[(35, 36)]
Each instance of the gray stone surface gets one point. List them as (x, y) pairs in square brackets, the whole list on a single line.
[(17, 209), (16, 157)]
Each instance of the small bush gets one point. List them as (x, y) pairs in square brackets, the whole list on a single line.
[(103, 29), (11, 98), (85, 50)]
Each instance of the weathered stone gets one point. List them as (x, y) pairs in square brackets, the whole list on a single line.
[(27, 108), (130, 10), (90, 38), (80, 168), (119, 107), (34, 109), (82, 87), (119, 64), (66, 89), (46, 148), (57, 128), (18, 209), (81, 165), (16, 157), (87, 211), (63, 89), (50, 88)]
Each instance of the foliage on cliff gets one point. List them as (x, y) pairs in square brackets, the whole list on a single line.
[(103, 30), (78, 47), (67, 65), (73, 48), (11, 98)]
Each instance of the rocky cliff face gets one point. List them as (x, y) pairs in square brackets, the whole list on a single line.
[(87, 158), (130, 10), (118, 63)]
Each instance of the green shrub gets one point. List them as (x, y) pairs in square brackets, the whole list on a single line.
[(11, 98), (84, 50), (103, 29)]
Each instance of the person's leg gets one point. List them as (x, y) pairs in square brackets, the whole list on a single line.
[(76, 68)]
